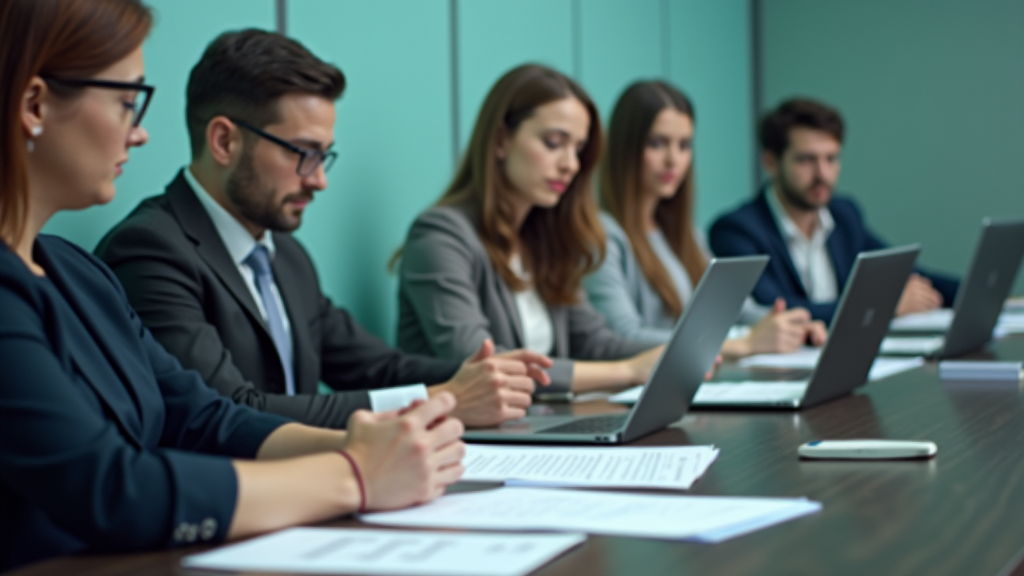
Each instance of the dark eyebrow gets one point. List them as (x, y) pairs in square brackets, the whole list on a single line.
[(312, 144), (558, 131)]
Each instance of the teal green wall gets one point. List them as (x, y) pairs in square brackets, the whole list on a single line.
[(411, 103), (710, 58), (393, 137), (932, 93), (497, 35)]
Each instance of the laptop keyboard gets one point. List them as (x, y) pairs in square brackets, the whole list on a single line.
[(596, 424)]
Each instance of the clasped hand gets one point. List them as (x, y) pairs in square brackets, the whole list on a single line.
[(492, 388)]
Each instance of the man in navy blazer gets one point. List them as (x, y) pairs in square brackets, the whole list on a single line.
[(212, 269), (812, 236)]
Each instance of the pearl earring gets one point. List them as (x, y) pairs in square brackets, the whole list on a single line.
[(36, 131)]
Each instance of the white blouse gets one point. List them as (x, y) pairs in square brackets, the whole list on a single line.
[(534, 318)]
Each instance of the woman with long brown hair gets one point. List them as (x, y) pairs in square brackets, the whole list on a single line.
[(503, 252), (654, 255), (106, 443)]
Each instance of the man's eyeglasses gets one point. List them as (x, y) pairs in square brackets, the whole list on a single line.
[(309, 158), (143, 93)]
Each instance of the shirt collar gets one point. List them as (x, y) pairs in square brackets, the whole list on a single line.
[(236, 238), (825, 222)]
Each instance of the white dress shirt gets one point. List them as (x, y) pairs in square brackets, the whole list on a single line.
[(810, 255), (534, 318), (240, 243)]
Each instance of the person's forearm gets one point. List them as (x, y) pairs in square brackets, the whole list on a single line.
[(736, 347), (282, 493), (295, 439), (588, 376)]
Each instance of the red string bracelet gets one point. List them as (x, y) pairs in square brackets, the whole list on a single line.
[(359, 480)]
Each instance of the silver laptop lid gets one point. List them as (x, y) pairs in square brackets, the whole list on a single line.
[(987, 284), (862, 318), (695, 342)]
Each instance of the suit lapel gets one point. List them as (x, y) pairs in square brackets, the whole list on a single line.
[(780, 249), (120, 396), (841, 262), (498, 287), (508, 300), (196, 224), (560, 325)]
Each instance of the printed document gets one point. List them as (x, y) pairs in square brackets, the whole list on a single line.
[(755, 390), (697, 518), (1011, 321), (937, 320), (672, 468), (808, 358), (392, 552)]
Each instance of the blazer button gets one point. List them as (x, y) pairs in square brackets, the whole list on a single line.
[(180, 531), (208, 529), (191, 533)]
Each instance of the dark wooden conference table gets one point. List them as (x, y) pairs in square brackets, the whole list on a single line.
[(961, 513)]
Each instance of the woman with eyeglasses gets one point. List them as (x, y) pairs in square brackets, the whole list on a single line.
[(503, 252), (106, 443), (655, 257)]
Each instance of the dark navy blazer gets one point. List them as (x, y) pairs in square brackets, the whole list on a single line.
[(106, 443), (181, 280), (751, 229)]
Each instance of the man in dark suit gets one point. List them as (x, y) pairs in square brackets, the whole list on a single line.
[(812, 236), (213, 271)]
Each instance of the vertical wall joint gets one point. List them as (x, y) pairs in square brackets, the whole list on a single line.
[(281, 16)]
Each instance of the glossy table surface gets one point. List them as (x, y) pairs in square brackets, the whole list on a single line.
[(961, 513)]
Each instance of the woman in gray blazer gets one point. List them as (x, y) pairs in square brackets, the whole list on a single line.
[(654, 256), (503, 253)]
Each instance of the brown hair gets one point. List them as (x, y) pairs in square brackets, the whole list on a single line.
[(622, 188), (242, 74), (798, 113), (58, 38), (563, 243)]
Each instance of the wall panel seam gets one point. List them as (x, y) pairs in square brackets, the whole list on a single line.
[(453, 51), (281, 17)]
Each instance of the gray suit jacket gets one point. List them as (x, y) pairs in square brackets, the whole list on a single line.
[(451, 298), (620, 291), (183, 284)]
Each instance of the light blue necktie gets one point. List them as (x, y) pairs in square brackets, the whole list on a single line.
[(259, 261)]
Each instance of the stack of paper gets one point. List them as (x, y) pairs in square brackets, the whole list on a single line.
[(980, 370), (673, 468), (696, 518), (937, 320), (345, 551), (1009, 323), (911, 344), (805, 358), (808, 358)]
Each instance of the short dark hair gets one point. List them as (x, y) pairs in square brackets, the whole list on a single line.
[(798, 113), (242, 74)]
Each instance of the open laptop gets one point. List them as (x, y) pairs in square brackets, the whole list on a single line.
[(979, 301), (861, 321), (675, 378)]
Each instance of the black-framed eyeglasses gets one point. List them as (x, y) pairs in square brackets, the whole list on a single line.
[(137, 108), (309, 158)]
